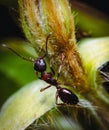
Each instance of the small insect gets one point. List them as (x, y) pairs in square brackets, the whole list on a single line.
[(64, 94), (40, 66)]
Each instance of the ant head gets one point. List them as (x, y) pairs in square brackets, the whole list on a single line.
[(39, 63)]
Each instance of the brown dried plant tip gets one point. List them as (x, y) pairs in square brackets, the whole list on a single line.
[(40, 18)]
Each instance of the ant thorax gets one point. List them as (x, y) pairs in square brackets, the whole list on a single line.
[(48, 77)]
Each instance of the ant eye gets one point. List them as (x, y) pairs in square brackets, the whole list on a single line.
[(40, 65)]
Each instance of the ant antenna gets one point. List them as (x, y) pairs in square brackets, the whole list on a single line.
[(24, 58), (46, 50)]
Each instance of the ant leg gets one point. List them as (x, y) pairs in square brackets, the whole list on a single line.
[(37, 74), (46, 49), (67, 84), (59, 70), (43, 89), (60, 67), (53, 72), (57, 96), (24, 58)]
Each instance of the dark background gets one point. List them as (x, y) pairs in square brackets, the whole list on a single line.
[(102, 5), (8, 27)]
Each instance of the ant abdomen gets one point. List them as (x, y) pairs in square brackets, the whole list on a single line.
[(67, 96)]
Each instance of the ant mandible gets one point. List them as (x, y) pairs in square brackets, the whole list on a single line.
[(63, 93)]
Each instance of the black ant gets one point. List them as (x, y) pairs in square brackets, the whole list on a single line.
[(64, 94)]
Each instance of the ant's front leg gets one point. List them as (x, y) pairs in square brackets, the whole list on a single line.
[(37, 74), (43, 89), (51, 68), (57, 96), (67, 84), (53, 72), (61, 64)]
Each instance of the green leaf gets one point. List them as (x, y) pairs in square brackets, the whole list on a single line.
[(29, 104), (94, 52), (26, 105), (7, 87)]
